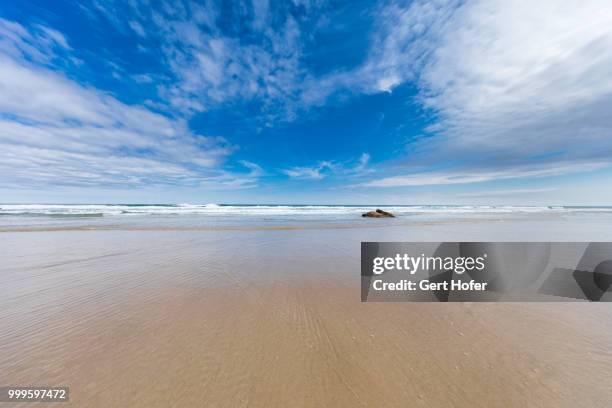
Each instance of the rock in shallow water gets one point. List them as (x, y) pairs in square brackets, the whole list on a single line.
[(378, 214)]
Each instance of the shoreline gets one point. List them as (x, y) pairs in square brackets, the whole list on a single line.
[(279, 227)]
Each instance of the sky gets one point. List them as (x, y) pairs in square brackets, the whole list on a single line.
[(323, 102)]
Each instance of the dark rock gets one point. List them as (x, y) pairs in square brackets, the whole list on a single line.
[(378, 214)]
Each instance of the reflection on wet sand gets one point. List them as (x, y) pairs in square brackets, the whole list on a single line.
[(273, 318)]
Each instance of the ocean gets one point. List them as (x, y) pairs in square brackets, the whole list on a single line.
[(27, 216)]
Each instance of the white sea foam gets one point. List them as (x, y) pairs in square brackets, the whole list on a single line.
[(267, 210)]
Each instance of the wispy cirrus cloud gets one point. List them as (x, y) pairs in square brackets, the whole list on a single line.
[(317, 172), (463, 176), (362, 163), (515, 89), (218, 55), (322, 169), (54, 131), (508, 192), (255, 170)]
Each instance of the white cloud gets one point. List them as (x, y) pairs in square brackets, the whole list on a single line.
[(318, 172), (511, 84), (482, 175), (39, 44), (137, 27), (255, 170), (362, 162), (56, 131), (509, 192), (210, 65), (349, 169)]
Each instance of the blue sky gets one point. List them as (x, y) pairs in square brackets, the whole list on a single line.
[(441, 102)]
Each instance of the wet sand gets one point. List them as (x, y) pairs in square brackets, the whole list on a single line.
[(271, 318)]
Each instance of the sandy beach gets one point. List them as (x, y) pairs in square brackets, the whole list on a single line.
[(306, 204), (157, 317)]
